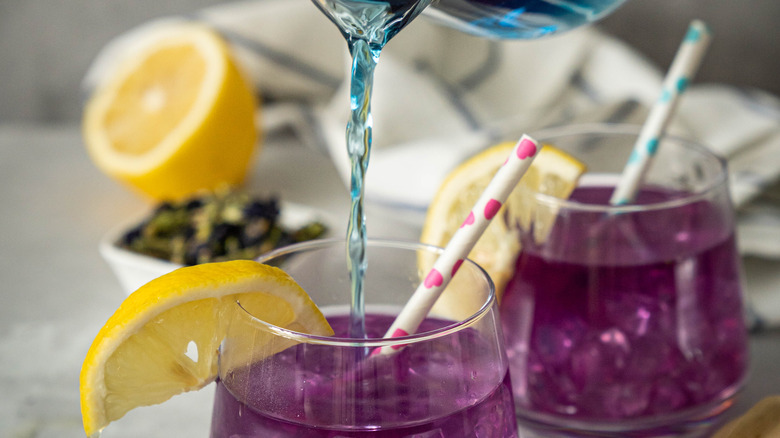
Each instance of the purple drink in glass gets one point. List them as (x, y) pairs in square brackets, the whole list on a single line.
[(629, 321), (394, 397), (450, 379)]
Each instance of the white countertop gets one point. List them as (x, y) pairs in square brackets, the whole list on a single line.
[(57, 292)]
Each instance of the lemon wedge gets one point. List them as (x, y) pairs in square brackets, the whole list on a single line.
[(552, 172), (175, 117), (140, 358)]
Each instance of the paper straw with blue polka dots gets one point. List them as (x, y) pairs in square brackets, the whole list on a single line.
[(680, 74)]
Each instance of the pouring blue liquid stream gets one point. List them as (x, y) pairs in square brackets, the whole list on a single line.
[(367, 26)]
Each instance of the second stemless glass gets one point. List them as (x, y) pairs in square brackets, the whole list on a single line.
[(627, 320), (449, 380)]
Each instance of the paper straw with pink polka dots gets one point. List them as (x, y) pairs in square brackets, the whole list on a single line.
[(681, 72), (464, 239)]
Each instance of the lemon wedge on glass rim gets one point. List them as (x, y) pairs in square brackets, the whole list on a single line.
[(553, 172), (139, 357), (175, 116)]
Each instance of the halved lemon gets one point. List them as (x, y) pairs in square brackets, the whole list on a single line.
[(140, 356), (175, 117), (552, 172)]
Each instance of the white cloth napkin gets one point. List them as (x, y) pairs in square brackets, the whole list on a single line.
[(440, 95)]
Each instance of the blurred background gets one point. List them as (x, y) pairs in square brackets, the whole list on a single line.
[(46, 46)]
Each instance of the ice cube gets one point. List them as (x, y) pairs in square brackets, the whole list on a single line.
[(638, 314), (667, 396), (553, 343), (600, 357), (625, 399)]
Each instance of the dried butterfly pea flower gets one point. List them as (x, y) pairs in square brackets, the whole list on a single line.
[(224, 225)]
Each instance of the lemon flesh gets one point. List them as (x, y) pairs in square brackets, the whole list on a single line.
[(175, 117), (159, 98), (553, 172), (142, 355)]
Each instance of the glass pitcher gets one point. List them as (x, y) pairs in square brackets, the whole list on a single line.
[(519, 19)]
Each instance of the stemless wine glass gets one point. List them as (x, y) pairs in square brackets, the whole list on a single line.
[(448, 380), (627, 320)]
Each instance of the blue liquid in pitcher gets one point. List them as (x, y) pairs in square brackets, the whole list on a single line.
[(524, 19), (367, 25)]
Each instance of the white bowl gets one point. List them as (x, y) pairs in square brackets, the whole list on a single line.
[(134, 269)]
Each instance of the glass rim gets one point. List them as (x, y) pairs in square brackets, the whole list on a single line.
[(337, 341), (610, 129)]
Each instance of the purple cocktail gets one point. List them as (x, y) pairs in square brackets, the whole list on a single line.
[(393, 397), (451, 379), (628, 321)]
